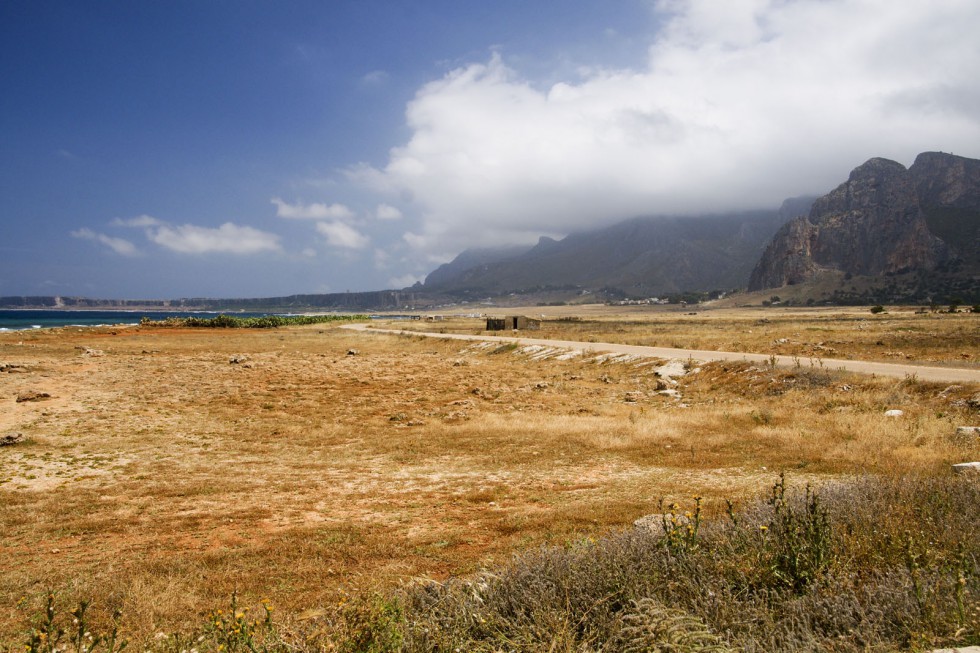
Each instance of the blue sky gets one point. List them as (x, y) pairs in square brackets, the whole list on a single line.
[(163, 149)]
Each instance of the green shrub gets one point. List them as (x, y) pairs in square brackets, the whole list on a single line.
[(799, 537), (374, 626), (261, 322)]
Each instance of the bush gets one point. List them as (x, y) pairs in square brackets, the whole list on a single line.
[(877, 309), (795, 572)]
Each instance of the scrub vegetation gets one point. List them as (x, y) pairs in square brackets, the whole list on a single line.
[(256, 322)]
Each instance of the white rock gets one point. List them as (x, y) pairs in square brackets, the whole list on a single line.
[(964, 468), (967, 431), (671, 369), (894, 413)]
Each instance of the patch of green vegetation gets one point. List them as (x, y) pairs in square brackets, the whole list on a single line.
[(264, 322)]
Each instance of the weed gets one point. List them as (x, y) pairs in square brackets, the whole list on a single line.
[(235, 632), (373, 626), (48, 634), (762, 417), (681, 531), (800, 538), (651, 626)]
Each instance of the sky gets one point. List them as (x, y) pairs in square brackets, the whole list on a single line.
[(252, 148)]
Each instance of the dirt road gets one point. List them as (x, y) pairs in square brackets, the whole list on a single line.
[(921, 372)]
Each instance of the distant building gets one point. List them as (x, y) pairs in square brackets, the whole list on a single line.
[(512, 322)]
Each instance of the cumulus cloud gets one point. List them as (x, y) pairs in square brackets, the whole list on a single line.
[(387, 212), (318, 211), (120, 246), (738, 105), (339, 234), (228, 238)]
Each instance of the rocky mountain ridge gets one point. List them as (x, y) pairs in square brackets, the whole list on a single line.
[(886, 220)]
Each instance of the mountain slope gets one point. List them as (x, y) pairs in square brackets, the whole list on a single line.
[(887, 221), (639, 257)]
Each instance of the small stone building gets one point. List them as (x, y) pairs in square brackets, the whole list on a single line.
[(512, 322)]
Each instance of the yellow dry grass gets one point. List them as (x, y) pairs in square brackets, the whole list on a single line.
[(160, 477), (898, 335)]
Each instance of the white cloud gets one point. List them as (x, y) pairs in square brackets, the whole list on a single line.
[(415, 241), (308, 252), (139, 221), (739, 105), (228, 238), (375, 78), (312, 211), (342, 235), (405, 280), (120, 246), (387, 212)]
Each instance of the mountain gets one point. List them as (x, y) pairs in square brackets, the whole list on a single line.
[(469, 259), (910, 234), (639, 257)]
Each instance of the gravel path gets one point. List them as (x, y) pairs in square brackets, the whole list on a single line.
[(900, 371)]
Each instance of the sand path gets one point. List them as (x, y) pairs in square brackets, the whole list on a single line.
[(921, 372)]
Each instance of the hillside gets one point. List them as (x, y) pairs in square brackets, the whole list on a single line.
[(886, 234), (639, 257)]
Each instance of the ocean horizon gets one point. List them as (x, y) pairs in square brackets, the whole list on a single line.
[(28, 319)]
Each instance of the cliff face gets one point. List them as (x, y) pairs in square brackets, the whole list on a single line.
[(944, 180), (878, 222)]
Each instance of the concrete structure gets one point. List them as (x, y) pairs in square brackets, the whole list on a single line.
[(512, 322)]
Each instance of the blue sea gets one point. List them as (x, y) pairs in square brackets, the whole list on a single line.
[(19, 320)]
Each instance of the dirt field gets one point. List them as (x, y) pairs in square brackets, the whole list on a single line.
[(168, 468), (899, 335)]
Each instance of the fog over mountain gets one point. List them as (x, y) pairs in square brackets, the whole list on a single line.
[(639, 257)]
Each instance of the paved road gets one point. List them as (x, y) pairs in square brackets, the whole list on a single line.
[(900, 371)]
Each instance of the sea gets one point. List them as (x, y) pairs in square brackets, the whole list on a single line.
[(20, 320)]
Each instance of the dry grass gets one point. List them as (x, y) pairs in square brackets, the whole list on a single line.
[(900, 334), (159, 477)]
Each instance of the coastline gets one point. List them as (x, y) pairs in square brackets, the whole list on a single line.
[(33, 319)]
